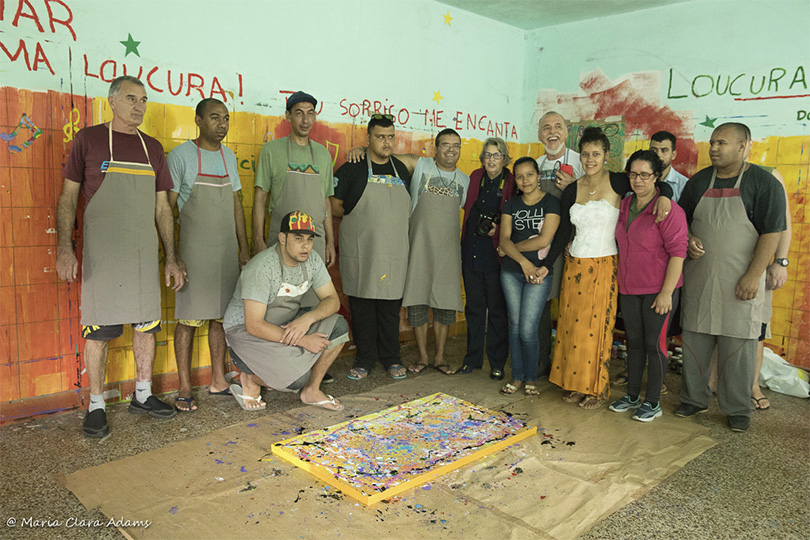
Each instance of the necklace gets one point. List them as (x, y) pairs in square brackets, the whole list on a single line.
[(592, 192)]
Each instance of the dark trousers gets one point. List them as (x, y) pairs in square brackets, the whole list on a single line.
[(544, 336), (487, 322), (646, 343), (375, 330)]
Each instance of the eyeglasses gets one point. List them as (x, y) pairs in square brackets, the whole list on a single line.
[(493, 155), (380, 116), (643, 175), (448, 146)]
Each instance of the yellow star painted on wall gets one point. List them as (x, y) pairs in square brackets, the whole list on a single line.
[(447, 19), (437, 96), (131, 45)]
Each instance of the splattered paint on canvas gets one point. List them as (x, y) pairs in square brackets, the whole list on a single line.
[(379, 455)]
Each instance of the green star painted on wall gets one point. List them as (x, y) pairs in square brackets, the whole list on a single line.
[(709, 122), (131, 45)]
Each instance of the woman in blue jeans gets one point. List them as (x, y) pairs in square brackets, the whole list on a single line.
[(528, 224)]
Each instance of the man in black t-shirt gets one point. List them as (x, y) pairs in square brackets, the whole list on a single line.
[(736, 213), (372, 199)]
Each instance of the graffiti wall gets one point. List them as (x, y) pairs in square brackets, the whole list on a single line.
[(415, 61), (664, 69), (428, 65)]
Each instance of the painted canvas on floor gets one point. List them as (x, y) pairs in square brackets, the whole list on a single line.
[(379, 455)]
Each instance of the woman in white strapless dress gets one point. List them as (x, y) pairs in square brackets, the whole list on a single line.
[(589, 289)]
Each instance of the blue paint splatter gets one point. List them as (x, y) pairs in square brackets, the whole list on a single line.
[(243, 469), (219, 461), (173, 510), (253, 425)]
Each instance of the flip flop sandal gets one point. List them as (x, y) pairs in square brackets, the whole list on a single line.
[(188, 400), (445, 368), (530, 390), (573, 397), (756, 403), (508, 389), (361, 374), (590, 402), (394, 368), (418, 367), (226, 392), (321, 404), (240, 399)]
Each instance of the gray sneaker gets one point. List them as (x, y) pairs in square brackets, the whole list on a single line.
[(647, 413), (625, 404)]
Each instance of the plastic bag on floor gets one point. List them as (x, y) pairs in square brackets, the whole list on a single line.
[(781, 377)]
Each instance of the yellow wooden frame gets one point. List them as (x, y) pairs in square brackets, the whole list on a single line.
[(320, 472)]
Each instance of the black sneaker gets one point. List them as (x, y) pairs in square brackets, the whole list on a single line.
[(153, 406), (738, 423), (685, 410), (95, 424), (328, 379)]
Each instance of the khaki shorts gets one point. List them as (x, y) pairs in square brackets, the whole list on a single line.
[(195, 323)]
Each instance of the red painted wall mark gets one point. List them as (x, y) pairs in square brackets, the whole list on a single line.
[(636, 100)]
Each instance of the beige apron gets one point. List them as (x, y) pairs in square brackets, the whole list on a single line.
[(208, 246), (729, 238), (120, 282), (276, 364), (374, 239), (548, 184), (302, 191), (434, 261)]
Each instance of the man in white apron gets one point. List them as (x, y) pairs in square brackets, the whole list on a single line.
[(213, 244), (272, 340), (438, 189), (123, 177), (559, 166), (372, 199), (736, 214)]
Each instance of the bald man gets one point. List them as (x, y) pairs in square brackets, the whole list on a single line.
[(736, 214)]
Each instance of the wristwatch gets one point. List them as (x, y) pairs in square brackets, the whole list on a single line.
[(781, 262)]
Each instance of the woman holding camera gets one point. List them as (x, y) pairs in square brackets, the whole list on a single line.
[(490, 187), (528, 225), (589, 292)]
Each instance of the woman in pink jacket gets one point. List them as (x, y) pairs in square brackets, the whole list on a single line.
[(650, 262)]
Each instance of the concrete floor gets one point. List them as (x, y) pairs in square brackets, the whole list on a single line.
[(752, 485)]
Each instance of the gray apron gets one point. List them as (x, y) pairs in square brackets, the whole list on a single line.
[(276, 364), (120, 282), (548, 184), (434, 261), (374, 239), (208, 247), (729, 238), (302, 191)]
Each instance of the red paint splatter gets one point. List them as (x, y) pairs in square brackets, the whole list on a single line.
[(636, 99)]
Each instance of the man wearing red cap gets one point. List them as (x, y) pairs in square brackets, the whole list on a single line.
[(272, 340)]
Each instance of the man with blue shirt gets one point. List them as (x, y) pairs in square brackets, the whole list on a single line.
[(213, 242), (663, 144)]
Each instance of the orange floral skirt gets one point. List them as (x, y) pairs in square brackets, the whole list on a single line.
[(585, 328)]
